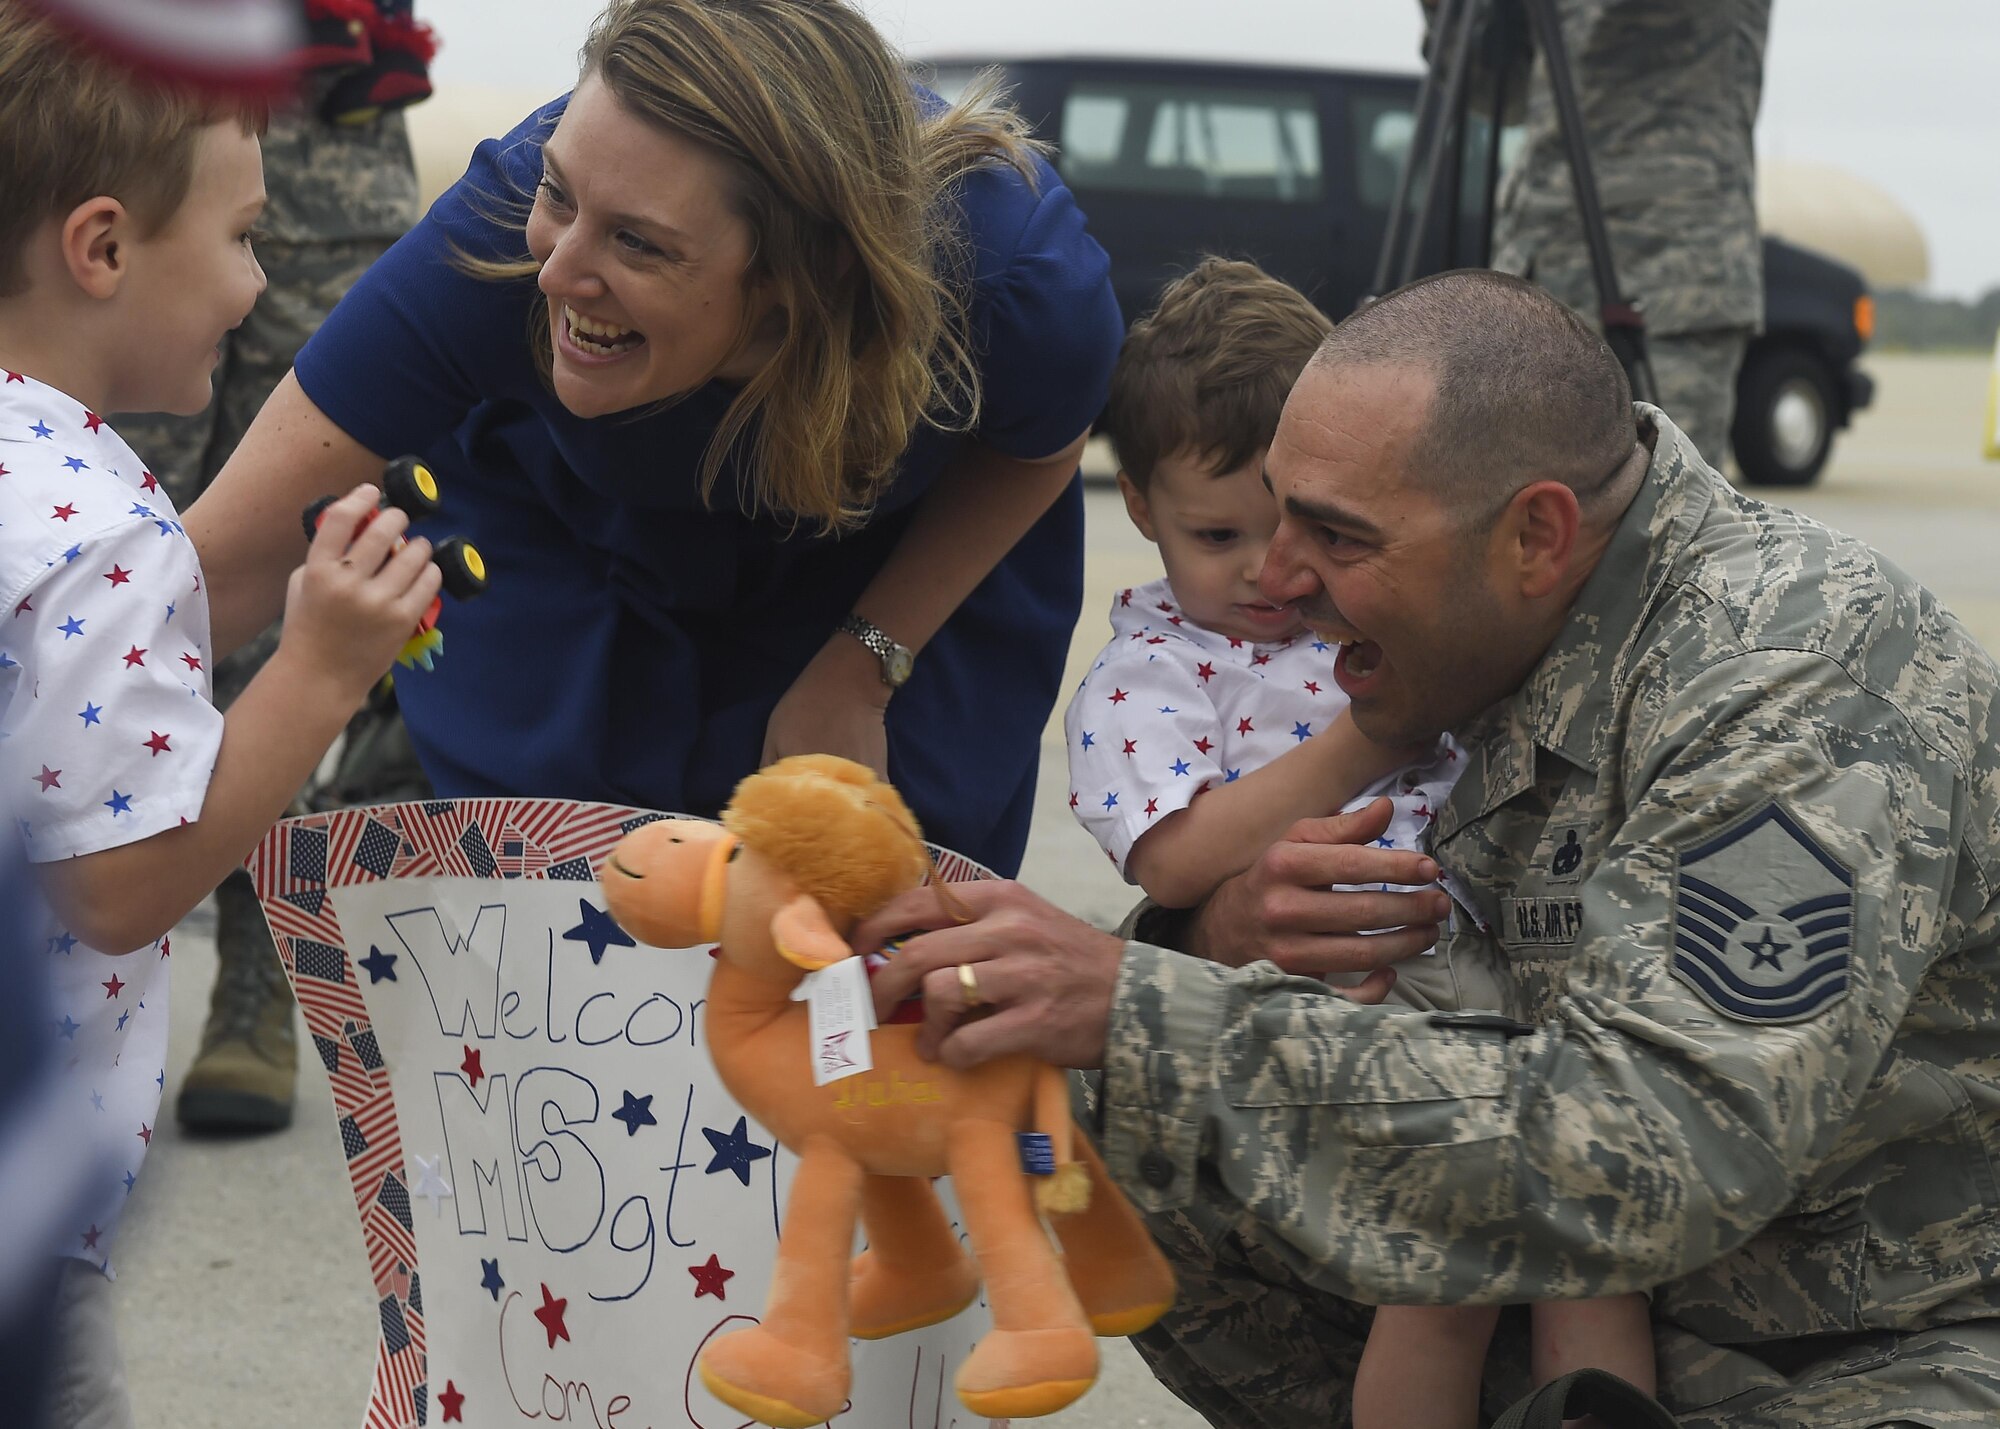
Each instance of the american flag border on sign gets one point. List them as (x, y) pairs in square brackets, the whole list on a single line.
[(553, 839)]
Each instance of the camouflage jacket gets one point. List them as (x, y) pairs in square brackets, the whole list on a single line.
[(1734, 842), (1669, 92), (332, 183)]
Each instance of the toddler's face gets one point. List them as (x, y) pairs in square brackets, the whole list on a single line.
[(1212, 532), (194, 280)]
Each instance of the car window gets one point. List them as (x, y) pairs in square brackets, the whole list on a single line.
[(949, 82), (1208, 141), (1383, 126)]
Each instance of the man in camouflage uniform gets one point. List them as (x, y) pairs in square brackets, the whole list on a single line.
[(1669, 92), (340, 194), (1730, 824)]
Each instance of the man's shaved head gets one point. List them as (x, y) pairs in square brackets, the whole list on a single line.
[(1524, 390)]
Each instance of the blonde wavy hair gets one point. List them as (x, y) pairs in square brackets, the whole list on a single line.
[(849, 193)]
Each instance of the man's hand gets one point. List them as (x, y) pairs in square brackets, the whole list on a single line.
[(1045, 979), (1284, 909)]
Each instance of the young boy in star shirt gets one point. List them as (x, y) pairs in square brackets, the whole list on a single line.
[(125, 256), (1212, 723)]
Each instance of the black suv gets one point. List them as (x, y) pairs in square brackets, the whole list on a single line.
[(1296, 168)]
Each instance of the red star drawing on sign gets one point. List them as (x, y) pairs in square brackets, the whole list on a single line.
[(90, 1237), (113, 987), (1260, 659), (134, 656), (91, 421), (148, 481), (15, 377), (192, 660), (1117, 697), (551, 1316), (710, 1278), (1206, 671), (1243, 726), (1072, 798), (1204, 744), (146, 1133), (1131, 746), (1312, 687), (167, 944), (64, 512), (470, 1066), (1167, 607), (1173, 620), (1234, 643), (49, 778), (451, 1402), (158, 744), (1152, 807), (118, 575)]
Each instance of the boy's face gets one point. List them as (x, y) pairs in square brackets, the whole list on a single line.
[(193, 281), (1212, 532)]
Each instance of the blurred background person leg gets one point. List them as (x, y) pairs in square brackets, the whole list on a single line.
[(1669, 91)]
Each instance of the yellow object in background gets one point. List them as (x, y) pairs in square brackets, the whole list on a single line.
[(1993, 406)]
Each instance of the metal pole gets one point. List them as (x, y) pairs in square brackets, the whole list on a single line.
[(1420, 143), (1461, 55)]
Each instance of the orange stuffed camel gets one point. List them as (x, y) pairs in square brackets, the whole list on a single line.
[(807, 848)]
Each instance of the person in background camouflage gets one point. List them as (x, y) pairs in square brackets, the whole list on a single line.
[(1731, 822), (1669, 92), (340, 194)]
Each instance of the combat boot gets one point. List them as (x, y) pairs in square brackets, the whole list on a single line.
[(243, 1078)]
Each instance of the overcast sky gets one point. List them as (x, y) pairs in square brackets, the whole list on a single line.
[(1900, 94)]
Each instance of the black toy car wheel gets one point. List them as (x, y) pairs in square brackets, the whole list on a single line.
[(1785, 417), (464, 569), (407, 484)]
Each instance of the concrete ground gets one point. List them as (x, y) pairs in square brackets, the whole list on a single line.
[(244, 1297)]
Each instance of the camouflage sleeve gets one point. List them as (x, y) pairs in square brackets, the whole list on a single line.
[(1750, 938)]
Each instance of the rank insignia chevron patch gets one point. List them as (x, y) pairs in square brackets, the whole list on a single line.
[(1764, 921)]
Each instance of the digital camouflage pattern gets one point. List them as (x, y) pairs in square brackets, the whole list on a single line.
[(1669, 91), (1735, 842)]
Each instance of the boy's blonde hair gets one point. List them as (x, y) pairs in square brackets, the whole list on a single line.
[(73, 126), (1208, 370)]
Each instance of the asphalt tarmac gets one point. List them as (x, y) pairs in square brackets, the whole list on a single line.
[(243, 1291)]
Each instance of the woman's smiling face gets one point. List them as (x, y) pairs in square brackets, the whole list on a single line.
[(644, 261)]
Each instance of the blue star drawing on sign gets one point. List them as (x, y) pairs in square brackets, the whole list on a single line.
[(734, 1150), (1230, 776), (381, 966), (42, 429), (62, 942), (130, 1181), (140, 508), (1110, 801), (70, 627), (89, 714), (1180, 766), (76, 464), (1302, 732), (598, 929), (1089, 738), (118, 803), (637, 1112), (72, 553), (490, 1280), (69, 1030)]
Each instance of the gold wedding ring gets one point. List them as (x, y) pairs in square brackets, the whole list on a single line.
[(968, 984)]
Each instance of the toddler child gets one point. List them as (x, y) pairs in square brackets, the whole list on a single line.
[(125, 256), (1212, 723)]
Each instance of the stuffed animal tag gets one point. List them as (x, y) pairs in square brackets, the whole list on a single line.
[(840, 1013)]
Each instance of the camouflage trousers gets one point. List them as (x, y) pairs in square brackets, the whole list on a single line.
[(1696, 373), (1252, 1344)]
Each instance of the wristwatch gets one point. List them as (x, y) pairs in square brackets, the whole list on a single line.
[(897, 660)]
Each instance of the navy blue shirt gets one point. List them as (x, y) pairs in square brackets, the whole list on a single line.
[(633, 641)]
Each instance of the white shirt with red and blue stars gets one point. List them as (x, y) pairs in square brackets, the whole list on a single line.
[(107, 736), (1171, 708)]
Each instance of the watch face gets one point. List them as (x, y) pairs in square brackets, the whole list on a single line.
[(896, 666)]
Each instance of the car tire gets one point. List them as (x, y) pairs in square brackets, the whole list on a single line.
[(1785, 417)]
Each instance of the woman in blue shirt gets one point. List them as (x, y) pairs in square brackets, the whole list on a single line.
[(773, 399)]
